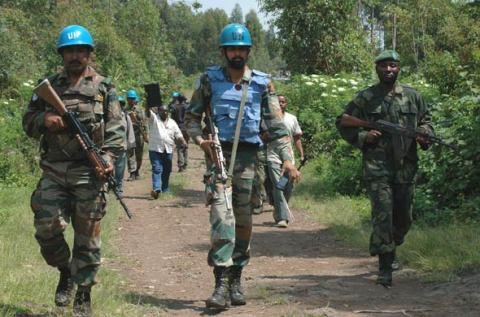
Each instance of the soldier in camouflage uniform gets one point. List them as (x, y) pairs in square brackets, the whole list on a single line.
[(219, 92), (68, 189), (177, 109), (140, 128), (390, 162)]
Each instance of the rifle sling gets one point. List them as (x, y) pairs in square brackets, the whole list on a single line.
[(238, 127)]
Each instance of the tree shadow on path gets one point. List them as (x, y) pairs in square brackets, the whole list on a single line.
[(301, 243)]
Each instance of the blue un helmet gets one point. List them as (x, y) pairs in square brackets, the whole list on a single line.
[(176, 94), (74, 35), (235, 34), (132, 94)]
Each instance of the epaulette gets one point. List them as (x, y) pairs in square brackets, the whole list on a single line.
[(215, 72), (259, 73), (408, 88), (214, 68)]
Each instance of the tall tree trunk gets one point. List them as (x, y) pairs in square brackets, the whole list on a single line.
[(372, 16), (414, 46), (394, 32)]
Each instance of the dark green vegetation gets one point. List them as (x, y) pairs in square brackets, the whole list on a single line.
[(438, 42), (136, 42)]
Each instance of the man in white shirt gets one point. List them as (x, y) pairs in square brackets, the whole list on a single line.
[(163, 134), (282, 213)]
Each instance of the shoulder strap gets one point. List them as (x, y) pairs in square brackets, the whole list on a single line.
[(237, 130)]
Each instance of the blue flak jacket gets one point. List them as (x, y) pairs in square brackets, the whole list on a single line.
[(226, 103)]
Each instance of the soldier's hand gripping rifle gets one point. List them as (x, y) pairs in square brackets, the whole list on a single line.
[(45, 91), (218, 160), (349, 121)]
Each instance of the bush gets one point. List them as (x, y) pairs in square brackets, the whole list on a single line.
[(448, 182), (18, 158)]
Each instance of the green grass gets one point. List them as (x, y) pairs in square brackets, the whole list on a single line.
[(437, 253), (267, 295), (27, 283)]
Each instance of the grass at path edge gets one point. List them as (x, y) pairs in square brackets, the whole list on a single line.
[(439, 253), (27, 283)]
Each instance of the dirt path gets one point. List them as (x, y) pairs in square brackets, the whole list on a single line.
[(299, 271)]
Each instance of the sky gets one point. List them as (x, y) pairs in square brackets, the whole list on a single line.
[(228, 5)]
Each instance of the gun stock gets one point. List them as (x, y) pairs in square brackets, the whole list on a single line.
[(45, 91)]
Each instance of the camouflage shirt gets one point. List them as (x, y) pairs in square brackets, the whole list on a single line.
[(95, 103), (177, 110), (392, 157), (139, 121), (271, 113)]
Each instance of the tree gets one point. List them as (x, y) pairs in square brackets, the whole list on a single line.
[(182, 28), (319, 35), (206, 47), (259, 55), (237, 14)]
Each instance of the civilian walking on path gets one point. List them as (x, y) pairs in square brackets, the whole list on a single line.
[(282, 213), (164, 133)]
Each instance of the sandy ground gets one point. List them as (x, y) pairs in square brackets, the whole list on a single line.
[(299, 271)]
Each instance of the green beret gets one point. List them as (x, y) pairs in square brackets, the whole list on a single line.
[(388, 55)]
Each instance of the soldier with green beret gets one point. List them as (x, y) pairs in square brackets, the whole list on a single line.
[(390, 162), (68, 190), (388, 55)]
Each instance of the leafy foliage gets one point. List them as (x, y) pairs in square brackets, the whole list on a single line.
[(448, 182), (319, 35), (135, 42)]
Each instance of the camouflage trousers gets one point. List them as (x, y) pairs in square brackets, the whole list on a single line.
[(391, 214), (261, 177), (135, 157), (231, 230), (59, 200), (182, 152)]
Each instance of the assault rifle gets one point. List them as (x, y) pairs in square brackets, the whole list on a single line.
[(45, 91), (219, 161), (349, 121)]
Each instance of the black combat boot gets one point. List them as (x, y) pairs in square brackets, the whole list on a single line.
[(220, 298), (385, 269), (82, 306), (236, 294), (64, 292)]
